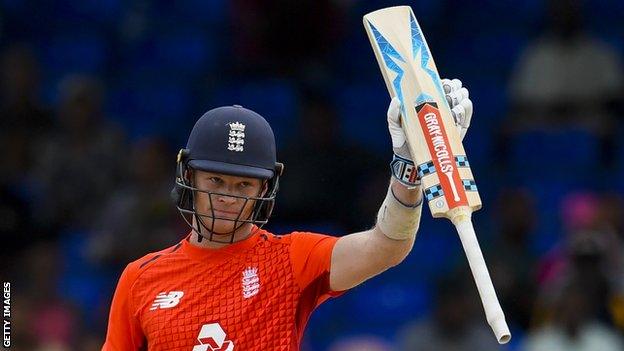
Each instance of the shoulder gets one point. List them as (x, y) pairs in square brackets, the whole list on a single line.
[(296, 237), (310, 237), (274, 239), (136, 267), (299, 240), (304, 244)]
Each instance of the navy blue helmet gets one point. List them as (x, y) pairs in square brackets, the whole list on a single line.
[(229, 140)]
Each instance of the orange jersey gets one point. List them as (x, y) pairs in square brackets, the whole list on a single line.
[(256, 294)]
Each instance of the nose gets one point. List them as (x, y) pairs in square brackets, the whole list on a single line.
[(225, 199)]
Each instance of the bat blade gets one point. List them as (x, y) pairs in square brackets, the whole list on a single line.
[(411, 75)]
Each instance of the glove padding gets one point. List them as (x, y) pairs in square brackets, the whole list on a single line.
[(461, 108), (459, 101)]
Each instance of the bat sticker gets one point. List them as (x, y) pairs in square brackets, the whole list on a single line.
[(442, 155)]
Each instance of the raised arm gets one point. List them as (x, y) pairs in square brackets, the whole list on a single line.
[(360, 256)]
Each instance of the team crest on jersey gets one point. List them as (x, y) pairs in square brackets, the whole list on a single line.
[(167, 300), (251, 282), (236, 137)]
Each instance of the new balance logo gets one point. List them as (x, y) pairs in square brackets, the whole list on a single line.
[(167, 300), (212, 338)]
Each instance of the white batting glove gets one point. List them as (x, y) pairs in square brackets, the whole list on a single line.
[(460, 104), (399, 143), (459, 101), (402, 164)]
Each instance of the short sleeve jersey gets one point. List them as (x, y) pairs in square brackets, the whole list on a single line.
[(256, 294)]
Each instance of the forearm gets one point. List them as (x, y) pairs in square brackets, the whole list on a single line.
[(398, 219), (388, 251), (408, 197), (360, 256)]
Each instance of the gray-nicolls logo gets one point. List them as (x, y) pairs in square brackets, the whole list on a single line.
[(441, 150), (250, 282), (236, 137)]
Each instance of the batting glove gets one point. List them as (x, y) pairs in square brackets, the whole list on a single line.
[(461, 106), (402, 164)]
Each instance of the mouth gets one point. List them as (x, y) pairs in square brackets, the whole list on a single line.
[(222, 212)]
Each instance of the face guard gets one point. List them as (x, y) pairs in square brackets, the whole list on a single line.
[(185, 195), (230, 140)]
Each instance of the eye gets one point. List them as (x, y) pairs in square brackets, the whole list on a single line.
[(244, 184), (215, 180)]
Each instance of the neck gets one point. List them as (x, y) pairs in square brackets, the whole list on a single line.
[(241, 234)]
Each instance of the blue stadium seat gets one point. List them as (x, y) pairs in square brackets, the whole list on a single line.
[(63, 54), (83, 283), (547, 235), (100, 11), (422, 9), (489, 96), (382, 306), (329, 321), (500, 50), (435, 253), (521, 15), (276, 100), (75, 52), (34, 19), (150, 109), (606, 17), (179, 54), (569, 154), (365, 69), (548, 192), (210, 13), (362, 109), (487, 54)]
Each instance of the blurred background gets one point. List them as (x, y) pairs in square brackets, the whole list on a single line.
[(97, 97)]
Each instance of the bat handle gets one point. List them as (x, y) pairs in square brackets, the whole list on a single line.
[(493, 311)]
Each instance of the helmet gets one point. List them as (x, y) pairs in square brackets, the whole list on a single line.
[(228, 140)]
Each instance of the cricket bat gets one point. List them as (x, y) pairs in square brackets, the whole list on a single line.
[(439, 157)]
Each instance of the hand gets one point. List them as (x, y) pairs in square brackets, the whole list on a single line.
[(459, 102), (402, 165), (399, 143)]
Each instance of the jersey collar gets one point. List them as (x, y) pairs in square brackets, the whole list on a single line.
[(207, 254)]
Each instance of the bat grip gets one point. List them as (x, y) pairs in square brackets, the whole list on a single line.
[(493, 311)]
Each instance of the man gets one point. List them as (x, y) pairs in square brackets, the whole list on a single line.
[(230, 285)]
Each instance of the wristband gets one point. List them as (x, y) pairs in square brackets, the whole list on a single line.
[(397, 221), (404, 171)]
